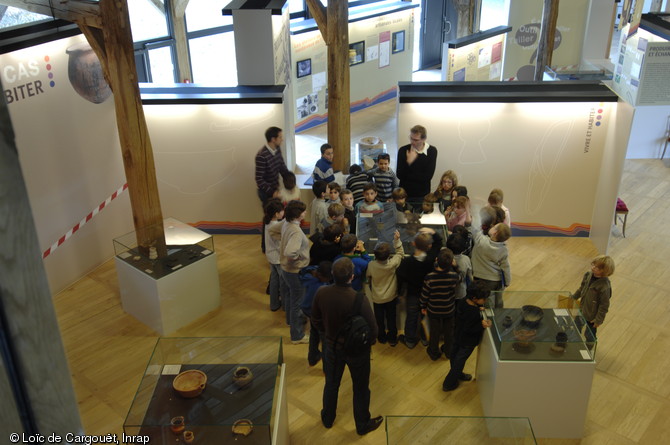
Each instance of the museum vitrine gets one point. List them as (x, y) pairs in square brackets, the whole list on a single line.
[(429, 430), (211, 391), (532, 327)]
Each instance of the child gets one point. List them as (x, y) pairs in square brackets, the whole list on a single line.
[(457, 243), (596, 291), (490, 216), (438, 298), (448, 181), (335, 215), (369, 203), (319, 208), (456, 213), (354, 249), (384, 178), (382, 288), (356, 181), (490, 260), (274, 213), (334, 192), (412, 271), (459, 190), (399, 196), (467, 236), (496, 200), (428, 205), (349, 212), (467, 335), (323, 170), (288, 191), (312, 278), (326, 245)]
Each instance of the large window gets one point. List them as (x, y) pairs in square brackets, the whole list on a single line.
[(147, 19), (11, 17), (213, 60)]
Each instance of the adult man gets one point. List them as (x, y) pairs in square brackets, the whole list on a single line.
[(332, 307), (269, 164), (416, 164)]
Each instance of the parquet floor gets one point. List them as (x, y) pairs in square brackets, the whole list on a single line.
[(108, 349)]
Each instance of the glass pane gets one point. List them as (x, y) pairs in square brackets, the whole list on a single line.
[(162, 69), (147, 19), (15, 17), (494, 13), (296, 6), (213, 60), (204, 14)]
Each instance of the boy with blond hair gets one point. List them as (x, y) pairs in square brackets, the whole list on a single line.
[(595, 291)]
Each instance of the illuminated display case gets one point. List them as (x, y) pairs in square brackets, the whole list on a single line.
[(417, 430), (168, 292), (185, 245), (523, 371), (211, 415), (529, 331)]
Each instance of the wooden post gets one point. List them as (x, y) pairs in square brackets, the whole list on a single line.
[(177, 13), (333, 24), (138, 159), (545, 46)]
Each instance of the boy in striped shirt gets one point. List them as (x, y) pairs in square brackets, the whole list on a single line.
[(384, 178), (437, 300)]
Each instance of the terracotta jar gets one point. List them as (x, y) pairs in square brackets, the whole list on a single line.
[(85, 73)]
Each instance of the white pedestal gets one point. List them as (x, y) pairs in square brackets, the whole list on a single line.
[(553, 395), (168, 303)]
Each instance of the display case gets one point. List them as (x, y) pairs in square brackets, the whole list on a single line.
[(185, 245), (211, 413), (533, 328), (380, 226), (416, 430)]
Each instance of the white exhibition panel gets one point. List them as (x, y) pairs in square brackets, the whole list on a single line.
[(171, 302), (70, 157), (553, 395), (546, 157), (205, 158)]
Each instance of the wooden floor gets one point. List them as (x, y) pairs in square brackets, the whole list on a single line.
[(108, 349)]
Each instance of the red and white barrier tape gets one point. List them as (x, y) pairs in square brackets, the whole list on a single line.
[(88, 217)]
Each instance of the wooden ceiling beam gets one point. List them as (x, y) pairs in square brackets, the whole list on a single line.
[(79, 11)]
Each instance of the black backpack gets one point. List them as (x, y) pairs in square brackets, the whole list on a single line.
[(355, 334)]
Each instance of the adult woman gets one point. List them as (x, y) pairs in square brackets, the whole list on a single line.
[(293, 256), (416, 164)]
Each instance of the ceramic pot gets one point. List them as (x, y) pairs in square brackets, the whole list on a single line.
[(243, 427), (85, 73), (177, 424), (188, 436), (242, 376)]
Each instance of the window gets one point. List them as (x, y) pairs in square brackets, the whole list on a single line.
[(147, 19), (213, 60), (205, 14), (11, 17)]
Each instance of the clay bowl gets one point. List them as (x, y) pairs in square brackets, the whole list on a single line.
[(190, 384), (242, 376), (243, 427)]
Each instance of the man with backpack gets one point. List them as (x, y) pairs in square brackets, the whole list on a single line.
[(346, 318)]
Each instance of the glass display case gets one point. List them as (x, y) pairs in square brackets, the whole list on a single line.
[(380, 226), (412, 430), (185, 245), (238, 400), (532, 327)]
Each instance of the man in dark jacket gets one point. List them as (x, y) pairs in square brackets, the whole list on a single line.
[(331, 309)]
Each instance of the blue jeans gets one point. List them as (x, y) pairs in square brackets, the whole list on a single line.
[(276, 284), (412, 319), (359, 368), (292, 304)]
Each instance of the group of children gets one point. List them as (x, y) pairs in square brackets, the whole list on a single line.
[(444, 287)]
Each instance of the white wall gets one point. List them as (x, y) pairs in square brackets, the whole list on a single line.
[(537, 153), (649, 132)]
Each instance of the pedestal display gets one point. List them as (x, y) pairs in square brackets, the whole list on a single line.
[(538, 363), (222, 410), (418, 430), (169, 292)]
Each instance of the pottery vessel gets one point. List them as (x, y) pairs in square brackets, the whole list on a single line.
[(188, 436), (177, 424), (242, 376), (190, 383), (85, 73), (243, 427)]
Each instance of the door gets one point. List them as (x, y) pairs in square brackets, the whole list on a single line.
[(430, 41)]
